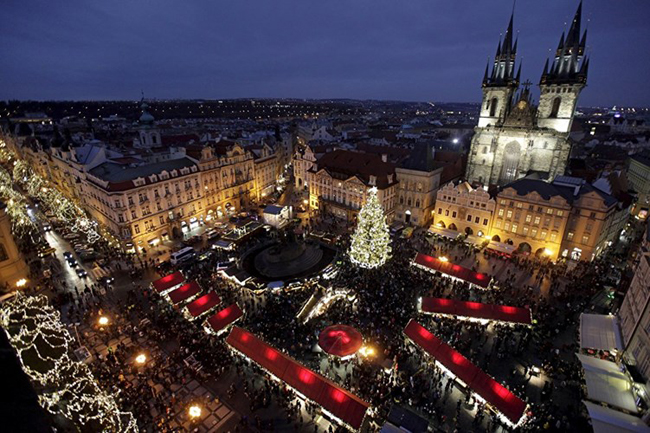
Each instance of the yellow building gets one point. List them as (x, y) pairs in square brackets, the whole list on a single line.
[(464, 209), (339, 182)]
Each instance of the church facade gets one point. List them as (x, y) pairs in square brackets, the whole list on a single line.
[(515, 136)]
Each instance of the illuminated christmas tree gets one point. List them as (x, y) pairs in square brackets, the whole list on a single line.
[(370, 242)]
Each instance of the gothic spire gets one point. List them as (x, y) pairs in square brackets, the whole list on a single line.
[(568, 60), (503, 71)]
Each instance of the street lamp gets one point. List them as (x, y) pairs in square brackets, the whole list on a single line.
[(141, 359), (21, 283), (194, 411), (103, 321), (443, 259)]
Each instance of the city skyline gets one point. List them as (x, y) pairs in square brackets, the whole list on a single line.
[(419, 51)]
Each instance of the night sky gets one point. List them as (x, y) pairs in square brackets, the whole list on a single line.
[(414, 50)]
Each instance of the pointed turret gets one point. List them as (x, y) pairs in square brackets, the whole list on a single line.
[(518, 77), (503, 71), (569, 55), (487, 69)]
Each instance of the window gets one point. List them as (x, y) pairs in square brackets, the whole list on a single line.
[(560, 213), (493, 107), (130, 201), (585, 239), (146, 225), (537, 219), (528, 218), (556, 107), (161, 218), (533, 233), (553, 237), (514, 228), (469, 218), (498, 224), (485, 222), (133, 215), (120, 218), (540, 209), (453, 214), (589, 226), (118, 203), (592, 215), (549, 211), (500, 212), (506, 226), (509, 214), (3, 253), (525, 231), (519, 205), (439, 211), (136, 228), (477, 220), (543, 234), (447, 213)]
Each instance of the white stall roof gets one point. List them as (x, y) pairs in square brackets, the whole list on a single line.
[(606, 383), (606, 420), (601, 332)]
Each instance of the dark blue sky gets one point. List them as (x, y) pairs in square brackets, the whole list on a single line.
[(419, 50)]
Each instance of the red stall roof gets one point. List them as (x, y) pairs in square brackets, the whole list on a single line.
[(334, 399), (453, 270), (184, 292), (511, 406), (203, 304), (502, 313), (168, 281), (225, 317)]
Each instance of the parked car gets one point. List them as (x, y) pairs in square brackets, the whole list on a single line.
[(107, 281), (81, 272)]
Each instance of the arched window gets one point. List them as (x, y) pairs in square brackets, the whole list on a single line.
[(493, 107), (556, 107)]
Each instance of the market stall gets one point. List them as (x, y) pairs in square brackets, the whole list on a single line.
[(452, 270), (475, 311), (340, 340), (168, 282), (220, 321), (203, 304), (184, 293)]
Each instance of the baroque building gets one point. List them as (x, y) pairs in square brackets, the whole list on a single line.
[(514, 136)]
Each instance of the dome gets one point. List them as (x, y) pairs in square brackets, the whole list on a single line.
[(146, 118)]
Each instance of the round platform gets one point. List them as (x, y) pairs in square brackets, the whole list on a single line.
[(340, 340)]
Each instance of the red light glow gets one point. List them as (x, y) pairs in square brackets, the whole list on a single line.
[(271, 354), (339, 396), (458, 359), (306, 376)]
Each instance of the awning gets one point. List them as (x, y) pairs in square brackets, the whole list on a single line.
[(184, 292), (600, 332), (476, 310), (452, 270), (168, 282), (203, 304), (511, 406), (502, 248), (606, 420), (225, 317), (606, 383), (447, 233), (337, 401)]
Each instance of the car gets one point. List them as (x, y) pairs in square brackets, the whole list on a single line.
[(81, 273), (47, 227), (72, 262), (67, 255), (108, 280)]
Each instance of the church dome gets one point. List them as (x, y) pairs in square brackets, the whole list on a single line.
[(146, 118)]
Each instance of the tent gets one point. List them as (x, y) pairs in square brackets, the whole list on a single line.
[(447, 233), (168, 282), (225, 317), (606, 420), (600, 332), (203, 304), (184, 292), (456, 271), (334, 400), (606, 383), (498, 396), (476, 310)]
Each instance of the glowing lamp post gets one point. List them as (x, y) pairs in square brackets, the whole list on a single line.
[(443, 259), (194, 412), (21, 283), (103, 321), (141, 359)]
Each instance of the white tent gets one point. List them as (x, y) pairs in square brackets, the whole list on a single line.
[(605, 420), (451, 234), (600, 332), (606, 383)]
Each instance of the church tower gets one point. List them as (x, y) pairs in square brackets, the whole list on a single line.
[(500, 85), (515, 137), (148, 133), (561, 84)]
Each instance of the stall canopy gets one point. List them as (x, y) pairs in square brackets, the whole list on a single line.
[(600, 332), (476, 310), (184, 292), (168, 281), (203, 304), (511, 406), (225, 317), (606, 383), (606, 420), (337, 401), (340, 340), (447, 233), (453, 270), (501, 248)]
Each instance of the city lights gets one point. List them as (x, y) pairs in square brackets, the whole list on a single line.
[(194, 411), (443, 259), (141, 359), (103, 321), (21, 283)]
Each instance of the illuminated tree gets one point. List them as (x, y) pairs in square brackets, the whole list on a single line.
[(370, 242)]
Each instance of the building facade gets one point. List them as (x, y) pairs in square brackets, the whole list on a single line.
[(638, 174), (464, 209), (339, 183), (514, 136), (635, 312)]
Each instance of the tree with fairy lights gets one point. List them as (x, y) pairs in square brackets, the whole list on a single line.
[(370, 242)]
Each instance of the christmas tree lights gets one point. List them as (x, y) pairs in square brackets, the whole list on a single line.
[(370, 242), (65, 387)]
